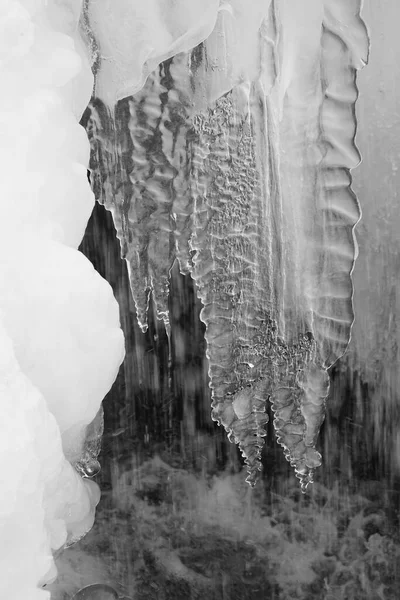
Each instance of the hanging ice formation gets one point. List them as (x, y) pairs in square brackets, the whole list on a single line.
[(235, 158)]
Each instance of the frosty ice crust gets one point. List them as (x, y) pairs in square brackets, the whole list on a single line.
[(253, 141), (60, 339)]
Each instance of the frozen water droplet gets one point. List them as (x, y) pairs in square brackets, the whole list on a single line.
[(89, 468)]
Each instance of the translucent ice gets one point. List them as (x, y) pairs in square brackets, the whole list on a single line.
[(235, 158)]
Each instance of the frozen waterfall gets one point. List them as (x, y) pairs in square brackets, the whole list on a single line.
[(222, 137)]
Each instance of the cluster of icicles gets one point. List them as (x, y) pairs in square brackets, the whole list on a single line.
[(233, 157)]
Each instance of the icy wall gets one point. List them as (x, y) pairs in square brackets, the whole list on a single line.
[(235, 159)]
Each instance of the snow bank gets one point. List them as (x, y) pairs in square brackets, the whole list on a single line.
[(60, 338)]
